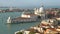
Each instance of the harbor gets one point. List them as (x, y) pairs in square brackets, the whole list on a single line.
[(11, 28), (29, 17)]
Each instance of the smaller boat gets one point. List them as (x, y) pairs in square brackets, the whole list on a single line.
[(9, 20)]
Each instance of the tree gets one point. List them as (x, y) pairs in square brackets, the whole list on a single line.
[(19, 33), (32, 32)]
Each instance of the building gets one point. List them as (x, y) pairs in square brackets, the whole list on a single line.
[(40, 12)]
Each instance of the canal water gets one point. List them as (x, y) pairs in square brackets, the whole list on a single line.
[(11, 28)]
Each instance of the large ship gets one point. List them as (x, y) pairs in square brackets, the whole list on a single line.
[(29, 17)]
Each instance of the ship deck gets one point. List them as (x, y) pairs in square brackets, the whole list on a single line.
[(23, 19)]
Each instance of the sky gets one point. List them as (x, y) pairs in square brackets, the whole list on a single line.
[(29, 3)]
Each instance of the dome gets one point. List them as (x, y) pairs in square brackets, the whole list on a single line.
[(41, 10)]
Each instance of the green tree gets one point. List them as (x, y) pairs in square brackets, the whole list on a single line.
[(32, 32), (19, 33)]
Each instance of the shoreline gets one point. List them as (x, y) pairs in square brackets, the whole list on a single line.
[(22, 10), (41, 28)]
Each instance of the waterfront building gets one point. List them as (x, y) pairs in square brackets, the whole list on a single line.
[(40, 12)]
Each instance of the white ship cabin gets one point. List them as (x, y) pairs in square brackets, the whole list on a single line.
[(25, 16), (28, 15)]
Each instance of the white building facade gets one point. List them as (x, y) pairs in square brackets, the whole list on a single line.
[(40, 12)]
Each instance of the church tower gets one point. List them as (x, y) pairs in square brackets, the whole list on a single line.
[(40, 12), (36, 11)]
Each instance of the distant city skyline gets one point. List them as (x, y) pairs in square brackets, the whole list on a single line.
[(29, 3)]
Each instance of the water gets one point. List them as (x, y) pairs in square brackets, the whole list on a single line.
[(11, 28)]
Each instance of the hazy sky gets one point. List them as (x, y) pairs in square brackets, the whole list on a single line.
[(29, 3)]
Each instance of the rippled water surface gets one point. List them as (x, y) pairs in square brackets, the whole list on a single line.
[(11, 28)]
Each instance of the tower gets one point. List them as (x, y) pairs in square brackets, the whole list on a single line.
[(36, 11), (40, 12)]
